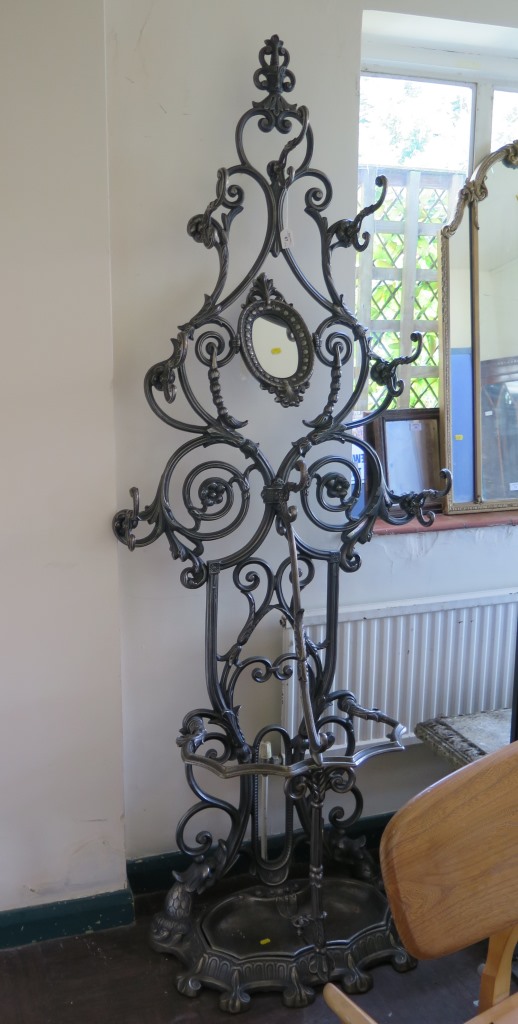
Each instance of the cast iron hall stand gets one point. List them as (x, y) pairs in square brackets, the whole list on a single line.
[(278, 925)]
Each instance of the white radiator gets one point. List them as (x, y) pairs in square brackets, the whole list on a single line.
[(419, 659)]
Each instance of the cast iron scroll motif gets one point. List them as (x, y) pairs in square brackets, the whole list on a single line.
[(282, 933)]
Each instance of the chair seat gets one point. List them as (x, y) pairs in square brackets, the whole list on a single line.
[(505, 1012), (350, 1012), (449, 860)]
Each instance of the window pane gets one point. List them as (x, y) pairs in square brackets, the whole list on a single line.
[(395, 202), (426, 300), (433, 205), (424, 393), (386, 300), (388, 250), (408, 123), (427, 252), (418, 134), (385, 344), (376, 397), (430, 350), (505, 118)]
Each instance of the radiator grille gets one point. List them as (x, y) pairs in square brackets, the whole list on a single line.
[(420, 659)]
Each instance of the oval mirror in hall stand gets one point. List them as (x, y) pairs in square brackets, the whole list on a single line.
[(479, 279)]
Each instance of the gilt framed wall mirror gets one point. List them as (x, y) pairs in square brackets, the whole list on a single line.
[(479, 280)]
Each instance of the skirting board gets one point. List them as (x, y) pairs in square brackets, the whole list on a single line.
[(66, 917), (24, 925), (155, 874)]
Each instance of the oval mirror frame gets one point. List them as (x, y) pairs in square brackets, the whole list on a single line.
[(264, 301), (474, 373)]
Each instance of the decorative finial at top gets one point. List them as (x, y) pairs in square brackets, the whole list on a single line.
[(274, 76)]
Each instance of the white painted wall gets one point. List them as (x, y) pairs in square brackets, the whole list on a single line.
[(61, 802), (179, 75)]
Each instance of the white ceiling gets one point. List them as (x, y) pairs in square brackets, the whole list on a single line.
[(439, 34)]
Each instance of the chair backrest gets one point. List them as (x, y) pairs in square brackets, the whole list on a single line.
[(449, 858)]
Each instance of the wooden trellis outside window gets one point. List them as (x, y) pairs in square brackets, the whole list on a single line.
[(397, 276)]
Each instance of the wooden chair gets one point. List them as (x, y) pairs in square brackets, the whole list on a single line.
[(449, 860)]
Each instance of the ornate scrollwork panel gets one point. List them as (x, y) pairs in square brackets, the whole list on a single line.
[(262, 525)]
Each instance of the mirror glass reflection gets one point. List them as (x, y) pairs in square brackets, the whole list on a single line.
[(479, 253), (461, 366), (498, 264), (275, 347)]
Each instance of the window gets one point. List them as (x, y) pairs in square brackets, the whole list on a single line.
[(505, 118), (421, 135)]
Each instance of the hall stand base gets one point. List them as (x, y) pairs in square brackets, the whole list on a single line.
[(251, 939)]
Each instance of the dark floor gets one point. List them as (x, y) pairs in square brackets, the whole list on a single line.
[(113, 977)]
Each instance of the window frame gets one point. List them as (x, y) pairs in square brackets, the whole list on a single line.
[(483, 86)]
